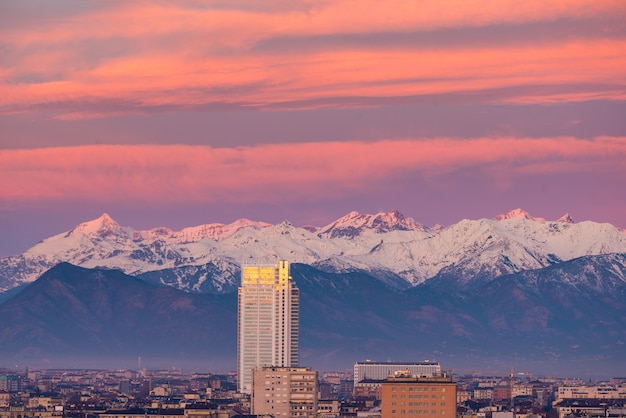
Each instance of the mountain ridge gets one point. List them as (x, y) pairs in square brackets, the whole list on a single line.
[(84, 314), (397, 249)]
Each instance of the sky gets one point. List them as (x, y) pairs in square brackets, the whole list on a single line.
[(181, 113)]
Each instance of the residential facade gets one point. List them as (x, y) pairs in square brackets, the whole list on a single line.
[(284, 392)]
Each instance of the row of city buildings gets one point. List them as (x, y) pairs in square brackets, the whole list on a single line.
[(302, 393)]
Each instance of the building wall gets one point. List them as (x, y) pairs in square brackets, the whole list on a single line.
[(10, 383), (144, 413), (328, 408), (592, 392), (367, 391), (418, 398), (484, 393), (268, 321), (28, 413), (284, 392), (598, 411)]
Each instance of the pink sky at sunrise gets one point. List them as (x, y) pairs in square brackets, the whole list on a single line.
[(181, 113)]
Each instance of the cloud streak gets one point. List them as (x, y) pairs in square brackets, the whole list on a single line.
[(291, 171), (181, 56)]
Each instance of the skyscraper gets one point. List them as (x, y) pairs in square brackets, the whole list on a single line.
[(268, 320)]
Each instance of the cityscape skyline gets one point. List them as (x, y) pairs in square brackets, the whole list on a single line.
[(49, 393)]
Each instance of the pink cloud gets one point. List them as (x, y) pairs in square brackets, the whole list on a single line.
[(160, 80), (178, 56), (238, 26), (291, 171)]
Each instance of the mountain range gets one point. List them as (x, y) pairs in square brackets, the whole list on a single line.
[(391, 247), (515, 289)]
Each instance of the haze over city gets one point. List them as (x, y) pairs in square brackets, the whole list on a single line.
[(182, 113)]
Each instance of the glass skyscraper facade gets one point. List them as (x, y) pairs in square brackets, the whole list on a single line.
[(268, 321)]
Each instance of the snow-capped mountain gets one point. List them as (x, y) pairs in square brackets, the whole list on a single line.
[(517, 214), (102, 242), (354, 224), (394, 248)]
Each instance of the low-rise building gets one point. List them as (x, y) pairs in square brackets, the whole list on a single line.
[(328, 408), (592, 392), (409, 396), (588, 407), (10, 383), (483, 393), (20, 411), (192, 412)]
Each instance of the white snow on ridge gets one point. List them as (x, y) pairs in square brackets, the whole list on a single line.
[(214, 231), (363, 223), (382, 242)]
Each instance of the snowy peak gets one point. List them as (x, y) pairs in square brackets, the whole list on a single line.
[(517, 214), (522, 214), (355, 223), (102, 226)]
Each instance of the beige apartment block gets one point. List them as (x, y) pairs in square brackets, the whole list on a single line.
[(284, 392)]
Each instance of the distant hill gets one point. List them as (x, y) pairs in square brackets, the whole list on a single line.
[(72, 315), (568, 318)]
